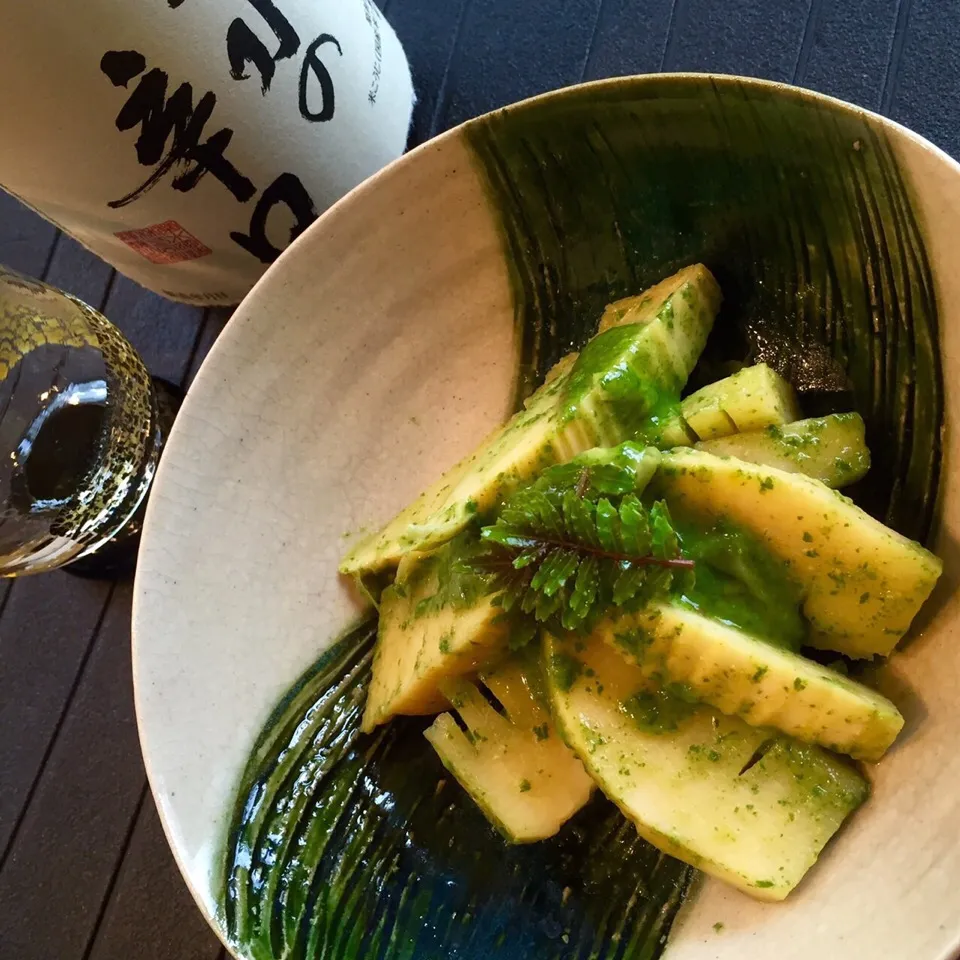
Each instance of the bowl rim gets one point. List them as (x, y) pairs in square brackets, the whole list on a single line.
[(264, 285)]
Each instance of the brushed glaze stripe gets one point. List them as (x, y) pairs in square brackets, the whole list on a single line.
[(342, 846), (799, 208)]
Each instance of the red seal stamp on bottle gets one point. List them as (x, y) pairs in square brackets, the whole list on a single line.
[(164, 243)]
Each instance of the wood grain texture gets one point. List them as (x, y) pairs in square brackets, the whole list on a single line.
[(26, 241), (150, 915), (631, 37), (163, 332), (71, 841), (749, 37), (428, 32), (84, 868), (501, 58), (924, 84), (850, 49), (46, 633), (78, 271)]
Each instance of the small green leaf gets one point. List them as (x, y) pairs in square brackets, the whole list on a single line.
[(509, 537), (665, 544), (548, 560), (547, 606), (608, 526), (528, 556), (551, 520), (579, 521), (634, 527), (584, 590), (513, 594), (529, 602), (516, 512), (546, 574), (628, 583), (655, 585), (564, 571)]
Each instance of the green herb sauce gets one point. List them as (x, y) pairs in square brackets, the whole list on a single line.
[(738, 582), (663, 710)]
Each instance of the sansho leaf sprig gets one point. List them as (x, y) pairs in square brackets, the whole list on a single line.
[(557, 554)]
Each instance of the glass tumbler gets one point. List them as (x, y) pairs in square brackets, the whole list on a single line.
[(80, 429)]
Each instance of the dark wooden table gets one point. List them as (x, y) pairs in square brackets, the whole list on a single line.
[(84, 868)]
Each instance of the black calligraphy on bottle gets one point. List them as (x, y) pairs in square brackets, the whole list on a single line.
[(285, 191), (244, 46), (172, 127), (313, 66), (171, 130)]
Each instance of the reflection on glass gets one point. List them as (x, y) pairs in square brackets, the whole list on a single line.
[(79, 428)]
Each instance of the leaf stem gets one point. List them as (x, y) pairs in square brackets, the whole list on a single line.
[(583, 483), (520, 543)]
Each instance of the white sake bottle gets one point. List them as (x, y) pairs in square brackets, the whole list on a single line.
[(188, 142)]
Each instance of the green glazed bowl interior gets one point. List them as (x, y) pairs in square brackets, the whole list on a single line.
[(380, 348)]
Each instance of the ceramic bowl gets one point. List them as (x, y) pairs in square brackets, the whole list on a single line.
[(380, 348)]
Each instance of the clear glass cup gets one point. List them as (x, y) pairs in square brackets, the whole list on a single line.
[(80, 429)]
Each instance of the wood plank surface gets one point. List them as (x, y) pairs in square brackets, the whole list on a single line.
[(85, 873)]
